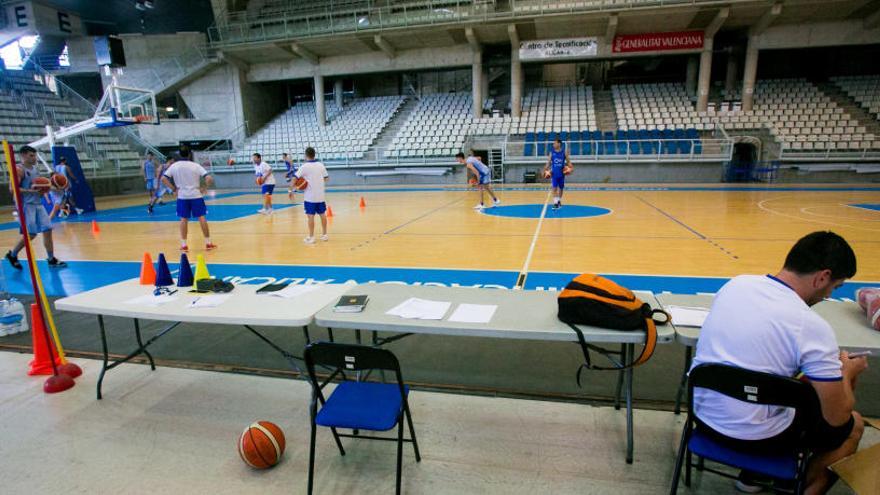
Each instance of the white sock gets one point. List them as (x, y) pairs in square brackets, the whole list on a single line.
[(556, 200), (183, 242), (207, 240)]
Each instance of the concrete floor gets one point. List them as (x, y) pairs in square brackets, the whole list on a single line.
[(175, 431)]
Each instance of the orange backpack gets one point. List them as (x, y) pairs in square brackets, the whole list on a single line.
[(593, 300)]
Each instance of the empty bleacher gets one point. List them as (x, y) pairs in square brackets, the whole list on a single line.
[(865, 90), (348, 134)]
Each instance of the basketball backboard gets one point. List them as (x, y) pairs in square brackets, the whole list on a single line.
[(126, 106)]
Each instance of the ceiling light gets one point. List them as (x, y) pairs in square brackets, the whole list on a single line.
[(140, 6), (364, 21), (169, 109), (148, 4)]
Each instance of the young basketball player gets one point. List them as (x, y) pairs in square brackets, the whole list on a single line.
[(263, 170), (62, 200), (289, 167), (315, 173), (149, 169), (187, 176), (557, 161), (483, 175), (35, 216), (161, 188)]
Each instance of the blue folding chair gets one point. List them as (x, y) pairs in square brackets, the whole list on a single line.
[(755, 388), (357, 405)]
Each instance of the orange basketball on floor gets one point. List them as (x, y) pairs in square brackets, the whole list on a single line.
[(300, 184), (41, 184), (567, 170), (59, 181), (261, 445)]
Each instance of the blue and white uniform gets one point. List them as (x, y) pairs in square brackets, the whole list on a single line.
[(58, 197), (35, 215), (161, 188), (482, 169), (150, 174), (557, 163)]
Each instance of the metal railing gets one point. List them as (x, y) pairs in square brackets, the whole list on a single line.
[(625, 150), (863, 153), (239, 27), (166, 71)]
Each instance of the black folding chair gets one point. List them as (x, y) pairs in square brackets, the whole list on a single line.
[(755, 388), (358, 405)]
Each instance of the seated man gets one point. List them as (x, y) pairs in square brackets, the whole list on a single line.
[(764, 323)]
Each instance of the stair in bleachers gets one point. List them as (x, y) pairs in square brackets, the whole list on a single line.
[(605, 111), (386, 137), (864, 90), (855, 110)]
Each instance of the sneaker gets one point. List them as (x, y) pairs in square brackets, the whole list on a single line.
[(150, 209), (56, 263), (209, 246), (309, 240), (749, 482), (479, 206), (261, 211), (13, 260), (270, 211), (325, 238), (161, 202), (496, 202), (555, 206), (79, 211), (184, 248)]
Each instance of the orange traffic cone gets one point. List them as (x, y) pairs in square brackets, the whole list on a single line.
[(95, 228), (41, 364), (363, 203), (148, 271), (329, 211)]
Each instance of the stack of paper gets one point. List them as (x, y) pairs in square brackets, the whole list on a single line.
[(687, 317), (422, 309), (473, 313), (292, 291), (151, 300)]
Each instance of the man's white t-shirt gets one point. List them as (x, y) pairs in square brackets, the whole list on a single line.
[(760, 324), (314, 172), (187, 177), (262, 169)]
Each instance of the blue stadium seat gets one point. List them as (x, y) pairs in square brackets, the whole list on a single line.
[(692, 134), (621, 147), (542, 143), (529, 149), (698, 147)]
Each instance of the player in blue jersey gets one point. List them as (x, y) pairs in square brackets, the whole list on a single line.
[(62, 199), (557, 162), (483, 177)]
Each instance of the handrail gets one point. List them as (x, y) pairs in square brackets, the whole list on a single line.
[(233, 136)]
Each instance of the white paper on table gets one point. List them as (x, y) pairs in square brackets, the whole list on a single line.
[(151, 300), (209, 301), (422, 309), (292, 291), (684, 316), (473, 313)]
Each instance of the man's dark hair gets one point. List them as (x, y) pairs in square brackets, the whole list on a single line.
[(557, 140), (184, 152), (258, 155), (283, 155), (62, 160), (822, 251), (459, 155), (150, 153), (310, 153), (26, 149)]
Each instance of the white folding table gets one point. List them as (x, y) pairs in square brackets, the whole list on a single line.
[(244, 307), (529, 315)]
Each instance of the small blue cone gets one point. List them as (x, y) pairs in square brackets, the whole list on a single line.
[(185, 273), (163, 274)]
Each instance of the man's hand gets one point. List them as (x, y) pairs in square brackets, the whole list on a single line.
[(851, 368)]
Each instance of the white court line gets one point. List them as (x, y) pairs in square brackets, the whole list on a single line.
[(521, 281)]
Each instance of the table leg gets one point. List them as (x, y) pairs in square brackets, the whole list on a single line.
[(330, 334), (376, 344), (306, 334), (137, 333), (620, 374), (630, 348), (106, 354), (688, 350)]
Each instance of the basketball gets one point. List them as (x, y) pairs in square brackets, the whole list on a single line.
[(300, 184), (230, 162), (260, 180), (567, 170), (472, 182), (546, 174), (41, 184), (261, 445), (59, 181)]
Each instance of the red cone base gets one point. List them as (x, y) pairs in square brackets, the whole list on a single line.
[(70, 370), (58, 383)]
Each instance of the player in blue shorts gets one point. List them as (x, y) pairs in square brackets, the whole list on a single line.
[(187, 177), (62, 200), (266, 178), (557, 161), (289, 167), (315, 173), (161, 189), (149, 169), (483, 175)]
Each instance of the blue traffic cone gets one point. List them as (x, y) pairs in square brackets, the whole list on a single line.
[(163, 274), (184, 273)]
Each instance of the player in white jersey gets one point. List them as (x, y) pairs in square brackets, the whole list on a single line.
[(316, 174), (266, 181), (483, 177)]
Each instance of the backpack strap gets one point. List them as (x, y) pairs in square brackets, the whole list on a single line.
[(647, 350)]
